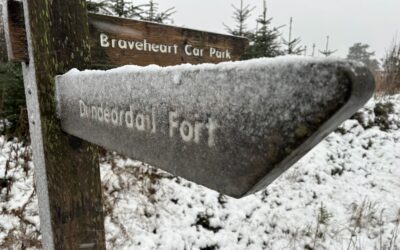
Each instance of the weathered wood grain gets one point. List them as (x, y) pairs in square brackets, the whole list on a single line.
[(14, 31), (66, 168), (3, 45), (185, 45)]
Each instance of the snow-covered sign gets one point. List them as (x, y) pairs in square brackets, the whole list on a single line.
[(232, 127)]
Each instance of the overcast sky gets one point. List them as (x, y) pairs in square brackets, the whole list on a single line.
[(375, 22)]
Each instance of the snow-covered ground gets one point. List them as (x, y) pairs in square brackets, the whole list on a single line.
[(344, 194)]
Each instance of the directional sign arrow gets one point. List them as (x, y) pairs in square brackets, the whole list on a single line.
[(232, 127)]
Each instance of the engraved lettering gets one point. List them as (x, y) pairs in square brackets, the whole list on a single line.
[(144, 45), (172, 123), (186, 131), (104, 40), (189, 130)]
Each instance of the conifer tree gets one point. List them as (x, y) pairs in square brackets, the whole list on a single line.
[(265, 41), (152, 13), (313, 50), (125, 8), (12, 94), (327, 52), (293, 45), (120, 8), (101, 7), (359, 52), (240, 15), (13, 115)]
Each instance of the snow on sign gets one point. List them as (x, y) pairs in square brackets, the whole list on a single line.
[(232, 127)]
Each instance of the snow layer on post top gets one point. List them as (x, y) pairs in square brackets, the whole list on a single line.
[(233, 127)]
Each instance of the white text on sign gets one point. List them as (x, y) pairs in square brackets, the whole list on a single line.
[(189, 131), (146, 46)]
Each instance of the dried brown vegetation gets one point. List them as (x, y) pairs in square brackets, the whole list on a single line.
[(388, 80)]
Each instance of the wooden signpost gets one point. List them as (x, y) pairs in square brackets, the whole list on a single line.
[(52, 37), (233, 127)]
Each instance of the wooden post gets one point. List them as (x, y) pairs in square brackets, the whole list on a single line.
[(52, 37), (66, 168), (14, 29), (3, 45)]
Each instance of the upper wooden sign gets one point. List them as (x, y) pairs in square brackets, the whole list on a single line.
[(118, 41)]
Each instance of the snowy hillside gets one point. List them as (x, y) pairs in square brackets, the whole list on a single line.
[(345, 194)]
